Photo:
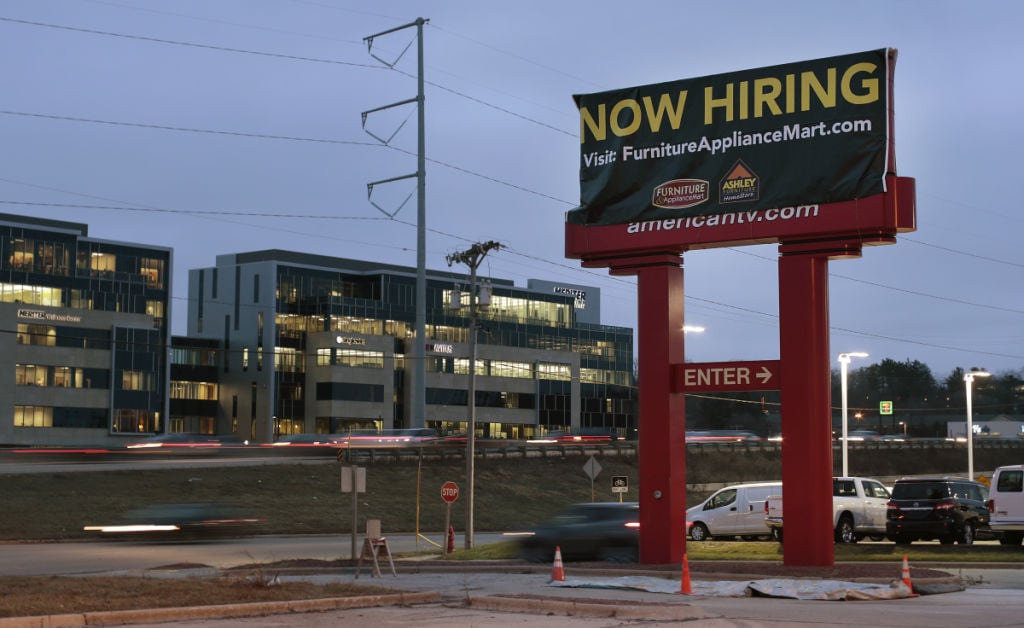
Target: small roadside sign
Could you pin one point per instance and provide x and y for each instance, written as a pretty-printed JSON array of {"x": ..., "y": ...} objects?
[
  {"x": 620, "y": 484},
  {"x": 884, "y": 407}
]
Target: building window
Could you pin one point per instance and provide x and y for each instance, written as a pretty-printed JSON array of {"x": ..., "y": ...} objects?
[
  {"x": 33, "y": 416},
  {"x": 245, "y": 358},
  {"x": 137, "y": 380},
  {"x": 522, "y": 370},
  {"x": 554, "y": 371},
  {"x": 155, "y": 309},
  {"x": 359, "y": 359},
  {"x": 288, "y": 360},
  {"x": 29, "y": 375},
  {"x": 153, "y": 270},
  {"x": 462, "y": 366},
  {"x": 45, "y": 335},
  {"x": 204, "y": 391},
  {"x": 323, "y": 357},
  {"x": 102, "y": 264},
  {"x": 134, "y": 421}
]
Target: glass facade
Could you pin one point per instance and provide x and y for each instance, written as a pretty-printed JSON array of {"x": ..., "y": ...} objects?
[
  {"x": 70, "y": 299},
  {"x": 595, "y": 388}
]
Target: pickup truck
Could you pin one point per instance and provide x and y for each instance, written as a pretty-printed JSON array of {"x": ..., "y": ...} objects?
[{"x": 858, "y": 510}]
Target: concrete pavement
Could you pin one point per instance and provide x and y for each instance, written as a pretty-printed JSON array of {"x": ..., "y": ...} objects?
[{"x": 514, "y": 596}]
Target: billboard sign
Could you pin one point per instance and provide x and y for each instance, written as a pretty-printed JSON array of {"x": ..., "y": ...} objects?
[{"x": 797, "y": 135}]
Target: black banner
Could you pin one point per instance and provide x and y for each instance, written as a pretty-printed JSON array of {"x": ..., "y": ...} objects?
[{"x": 794, "y": 134}]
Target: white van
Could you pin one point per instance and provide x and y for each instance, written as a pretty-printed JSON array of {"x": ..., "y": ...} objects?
[
  {"x": 1006, "y": 504},
  {"x": 732, "y": 511}
]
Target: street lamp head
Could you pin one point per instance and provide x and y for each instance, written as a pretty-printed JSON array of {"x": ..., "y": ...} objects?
[
  {"x": 969, "y": 377},
  {"x": 845, "y": 357}
]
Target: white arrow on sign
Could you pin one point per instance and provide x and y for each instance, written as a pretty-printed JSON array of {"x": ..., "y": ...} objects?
[{"x": 764, "y": 375}]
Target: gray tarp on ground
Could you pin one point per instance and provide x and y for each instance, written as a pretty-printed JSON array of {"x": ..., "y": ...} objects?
[{"x": 771, "y": 587}]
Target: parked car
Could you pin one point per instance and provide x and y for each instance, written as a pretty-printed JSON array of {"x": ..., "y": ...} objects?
[
  {"x": 1006, "y": 504},
  {"x": 858, "y": 510},
  {"x": 945, "y": 508},
  {"x": 732, "y": 511},
  {"x": 608, "y": 531}
]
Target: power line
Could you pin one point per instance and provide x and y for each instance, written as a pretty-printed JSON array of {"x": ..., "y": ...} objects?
[
  {"x": 173, "y": 42},
  {"x": 163, "y": 127}
]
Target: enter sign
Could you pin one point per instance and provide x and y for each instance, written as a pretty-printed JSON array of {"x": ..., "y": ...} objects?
[{"x": 726, "y": 376}]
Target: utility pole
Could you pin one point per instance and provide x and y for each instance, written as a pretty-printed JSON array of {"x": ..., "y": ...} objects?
[
  {"x": 419, "y": 397},
  {"x": 472, "y": 258}
]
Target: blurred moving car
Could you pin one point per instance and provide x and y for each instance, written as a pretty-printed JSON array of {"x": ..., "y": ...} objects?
[
  {"x": 948, "y": 509},
  {"x": 862, "y": 435},
  {"x": 608, "y": 531},
  {"x": 308, "y": 440},
  {"x": 721, "y": 436},
  {"x": 181, "y": 521},
  {"x": 185, "y": 440},
  {"x": 413, "y": 436},
  {"x": 583, "y": 436}
]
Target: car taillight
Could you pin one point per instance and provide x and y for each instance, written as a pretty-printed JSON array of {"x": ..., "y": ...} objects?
[
  {"x": 892, "y": 510},
  {"x": 991, "y": 505},
  {"x": 946, "y": 505}
]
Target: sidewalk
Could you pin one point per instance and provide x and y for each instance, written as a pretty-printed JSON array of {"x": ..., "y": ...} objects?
[{"x": 440, "y": 588}]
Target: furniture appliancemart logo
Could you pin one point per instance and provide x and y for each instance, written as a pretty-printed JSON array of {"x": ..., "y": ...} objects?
[
  {"x": 740, "y": 185},
  {"x": 681, "y": 193}
]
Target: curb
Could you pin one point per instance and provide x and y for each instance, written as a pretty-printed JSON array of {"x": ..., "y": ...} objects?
[
  {"x": 222, "y": 611},
  {"x": 619, "y": 609}
]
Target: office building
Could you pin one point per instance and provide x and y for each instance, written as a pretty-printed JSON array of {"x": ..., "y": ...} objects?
[
  {"x": 313, "y": 343},
  {"x": 85, "y": 335}
]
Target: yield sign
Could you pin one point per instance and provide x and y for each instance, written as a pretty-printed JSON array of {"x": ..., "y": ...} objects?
[{"x": 726, "y": 376}]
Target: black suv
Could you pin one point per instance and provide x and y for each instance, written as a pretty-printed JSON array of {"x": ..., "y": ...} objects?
[
  {"x": 608, "y": 531},
  {"x": 948, "y": 509}
]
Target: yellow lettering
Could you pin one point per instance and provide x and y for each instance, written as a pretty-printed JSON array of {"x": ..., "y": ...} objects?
[
  {"x": 826, "y": 95},
  {"x": 597, "y": 127},
  {"x": 744, "y": 95},
  {"x": 665, "y": 105},
  {"x": 711, "y": 103},
  {"x": 790, "y": 93},
  {"x": 870, "y": 86},
  {"x": 617, "y": 109},
  {"x": 766, "y": 92}
]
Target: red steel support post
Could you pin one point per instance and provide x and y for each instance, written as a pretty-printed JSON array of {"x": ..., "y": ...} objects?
[
  {"x": 806, "y": 397},
  {"x": 662, "y": 414}
]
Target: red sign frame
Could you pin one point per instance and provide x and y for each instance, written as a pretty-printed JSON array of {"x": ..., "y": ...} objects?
[{"x": 872, "y": 220}]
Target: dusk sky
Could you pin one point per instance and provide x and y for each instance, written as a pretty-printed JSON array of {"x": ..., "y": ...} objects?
[{"x": 224, "y": 126}]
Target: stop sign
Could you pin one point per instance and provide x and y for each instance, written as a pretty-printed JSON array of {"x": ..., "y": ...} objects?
[{"x": 449, "y": 491}]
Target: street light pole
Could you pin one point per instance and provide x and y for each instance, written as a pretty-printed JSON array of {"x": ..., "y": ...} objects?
[
  {"x": 844, "y": 363},
  {"x": 968, "y": 383},
  {"x": 472, "y": 258}
]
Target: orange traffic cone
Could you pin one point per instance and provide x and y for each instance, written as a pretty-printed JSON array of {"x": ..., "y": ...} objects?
[
  {"x": 905, "y": 576},
  {"x": 685, "y": 584},
  {"x": 558, "y": 573}
]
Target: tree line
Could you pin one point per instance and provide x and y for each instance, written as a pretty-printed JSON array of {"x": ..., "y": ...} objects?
[{"x": 921, "y": 404}]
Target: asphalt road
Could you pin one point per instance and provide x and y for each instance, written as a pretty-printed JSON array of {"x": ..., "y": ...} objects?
[{"x": 42, "y": 559}]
